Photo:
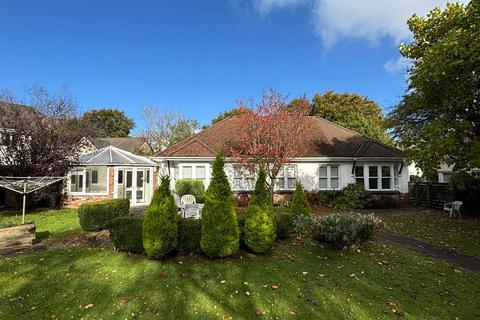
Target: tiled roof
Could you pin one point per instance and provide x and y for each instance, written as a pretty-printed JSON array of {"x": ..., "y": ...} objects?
[
  {"x": 323, "y": 139},
  {"x": 130, "y": 144}
]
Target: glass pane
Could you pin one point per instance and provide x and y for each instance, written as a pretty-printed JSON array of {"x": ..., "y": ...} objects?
[
  {"x": 148, "y": 176},
  {"x": 334, "y": 183},
  {"x": 290, "y": 171},
  {"x": 373, "y": 171},
  {"x": 358, "y": 171},
  {"x": 279, "y": 184},
  {"x": 73, "y": 183},
  {"x": 200, "y": 173},
  {"x": 140, "y": 179},
  {"x": 385, "y": 171},
  {"x": 94, "y": 176},
  {"x": 360, "y": 180},
  {"x": 386, "y": 183},
  {"x": 323, "y": 183},
  {"x": 373, "y": 183},
  {"x": 87, "y": 179},
  {"x": 128, "y": 194},
  {"x": 334, "y": 171},
  {"x": 323, "y": 171},
  {"x": 120, "y": 176},
  {"x": 80, "y": 182},
  {"x": 129, "y": 180},
  {"x": 187, "y": 172},
  {"x": 139, "y": 194},
  {"x": 291, "y": 183}
]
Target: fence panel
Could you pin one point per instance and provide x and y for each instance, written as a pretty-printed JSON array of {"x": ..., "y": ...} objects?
[{"x": 428, "y": 194}]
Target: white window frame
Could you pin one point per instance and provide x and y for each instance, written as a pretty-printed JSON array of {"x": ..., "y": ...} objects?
[
  {"x": 329, "y": 176},
  {"x": 242, "y": 177},
  {"x": 394, "y": 177},
  {"x": 282, "y": 174},
  {"x": 83, "y": 172}
]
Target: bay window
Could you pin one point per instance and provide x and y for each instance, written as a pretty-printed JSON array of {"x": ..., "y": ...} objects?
[
  {"x": 377, "y": 176},
  {"x": 372, "y": 177}
]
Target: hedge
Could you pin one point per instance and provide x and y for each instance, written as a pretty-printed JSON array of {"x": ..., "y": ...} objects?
[
  {"x": 190, "y": 186},
  {"x": 189, "y": 234},
  {"x": 97, "y": 215},
  {"x": 126, "y": 233}
]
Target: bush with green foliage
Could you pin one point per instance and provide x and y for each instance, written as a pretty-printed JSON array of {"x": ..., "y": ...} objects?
[
  {"x": 466, "y": 188},
  {"x": 354, "y": 196},
  {"x": 284, "y": 224},
  {"x": 162, "y": 191},
  {"x": 189, "y": 234},
  {"x": 160, "y": 228},
  {"x": 259, "y": 229},
  {"x": 299, "y": 205},
  {"x": 260, "y": 196},
  {"x": 97, "y": 215},
  {"x": 323, "y": 198},
  {"x": 339, "y": 231},
  {"x": 126, "y": 233},
  {"x": 189, "y": 186},
  {"x": 220, "y": 234}
]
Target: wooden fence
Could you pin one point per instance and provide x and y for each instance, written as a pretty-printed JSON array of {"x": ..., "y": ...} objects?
[{"x": 429, "y": 194}]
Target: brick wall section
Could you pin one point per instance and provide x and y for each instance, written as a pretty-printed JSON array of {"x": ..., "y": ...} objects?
[
  {"x": 111, "y": 180},
  {"x": 155, "y": 179}
]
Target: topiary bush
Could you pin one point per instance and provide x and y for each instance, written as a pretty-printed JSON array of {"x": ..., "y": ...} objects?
[
  {"x": 339, "y": 231},
  {"x": 260, "y": 196},
  {"x": 259, "y": 228},
  {"x": 160, "y": 228},
  {"x": 189, "y": 234},
  {"x": 299, "y": 204},
  {"x": 354, "y": 196},
  {"x": 97, "y": 215},
  {"x": 162, "y": 191},
  {"x": 220, "y": 234},
  {"x": 126, "y": 233},
  {"x": 284, "y": 224},
  {"x": 189, "y": 186}
]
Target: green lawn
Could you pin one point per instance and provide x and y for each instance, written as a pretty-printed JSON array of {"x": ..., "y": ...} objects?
[
  {"x": 431, "y": 226},
  {"x": 296, "y": 281},
  {"x": 51, "y": 224}
]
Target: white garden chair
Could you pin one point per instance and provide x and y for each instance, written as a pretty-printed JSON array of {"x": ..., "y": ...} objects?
[
  {"x": 453, "y": 208},
  {"x": 188, "y": 199},
  {"x": 192, "y": 211}
]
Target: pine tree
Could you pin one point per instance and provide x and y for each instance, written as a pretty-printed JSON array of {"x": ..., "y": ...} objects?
[
  {"x": 220, "y": 234},
  {"x": 299, "y": 205},
  {"x": 160, "y": 227},
  {"x": 260, "y": 196},
  {"x": 162, "y": 191}
]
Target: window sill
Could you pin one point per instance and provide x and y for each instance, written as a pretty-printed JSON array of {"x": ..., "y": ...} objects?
[{"x": 383, "y": 191}]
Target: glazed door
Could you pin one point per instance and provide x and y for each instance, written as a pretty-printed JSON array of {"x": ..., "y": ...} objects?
[
  {"x": 128, "y": 184},
  {"x": 140, "y": 186}
]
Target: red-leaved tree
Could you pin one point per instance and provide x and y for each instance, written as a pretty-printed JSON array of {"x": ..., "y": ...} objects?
[{"x": 269, "y": 134}]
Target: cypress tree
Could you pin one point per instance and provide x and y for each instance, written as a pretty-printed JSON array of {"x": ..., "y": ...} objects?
[
  {"x": 220, "y": 234},
  {"x": 260, "y": 196},
  {"x": 299, "y": 205},
  {"x": 162, "y": 191}
]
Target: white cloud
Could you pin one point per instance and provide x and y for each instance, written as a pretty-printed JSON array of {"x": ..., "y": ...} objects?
[
  {"x": 370, "y": 20},
  {"x": 396, "y": 65}
]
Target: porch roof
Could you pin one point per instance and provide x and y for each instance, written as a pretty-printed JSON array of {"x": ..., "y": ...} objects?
[{"x": 111, "y": 155}]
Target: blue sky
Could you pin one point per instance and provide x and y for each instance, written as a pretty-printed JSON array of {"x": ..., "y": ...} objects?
[{"x": 198, "y": 57}]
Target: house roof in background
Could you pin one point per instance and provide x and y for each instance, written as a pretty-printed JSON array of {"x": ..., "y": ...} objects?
[
  {"x": 323, "y": 138},
  {"x": 130, "y": 144},
  {"x": 111, "y": 155}
]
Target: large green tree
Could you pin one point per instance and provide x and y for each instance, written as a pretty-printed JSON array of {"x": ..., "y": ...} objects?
[
  {"x": 111, "y": 123},
  {"x": 438, "y": 119},
  {"x": 352, "y": 111}
]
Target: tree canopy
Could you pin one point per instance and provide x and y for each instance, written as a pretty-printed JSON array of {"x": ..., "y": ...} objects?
[
  {"x": 110, "y": 123},
  {"x": 438, "y": 119},
  {"x": 226, "y": 114},
  {"x": 352, "y": 111}
]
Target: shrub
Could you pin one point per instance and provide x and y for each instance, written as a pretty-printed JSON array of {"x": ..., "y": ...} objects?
[
  {"x": 96, "y": 216},
  {"x": 354, "y": 196},
  {"x": 162, "y": 191},
  {"x": 126, "y": 233},
  {"x": 323, "y": 198},
  {"x": 189, "y": 186},
  {"x": 220, "y": 234},
  {"x": 259, "y": 228},
  {"x": 260, "y": 196},
  {"x": 466, "y": 188},
  {"x": 189, "y": 233},
  {"x": 299, "y": 205},
  {"x": 160, "y": 228},
  {"x": 339, "y": 231},
  {"x": 284, "y": 224}
]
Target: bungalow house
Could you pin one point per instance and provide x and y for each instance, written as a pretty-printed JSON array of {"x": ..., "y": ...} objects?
[{"x": 335, "y": 157}]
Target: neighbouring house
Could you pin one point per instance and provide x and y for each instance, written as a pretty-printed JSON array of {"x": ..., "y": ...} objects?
[
  {"x": 335, "y": 157},
  {"x": 445, "y": 173},
  {"x": 136, "y": 145},
  {"x": 111, "y": 172}
]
